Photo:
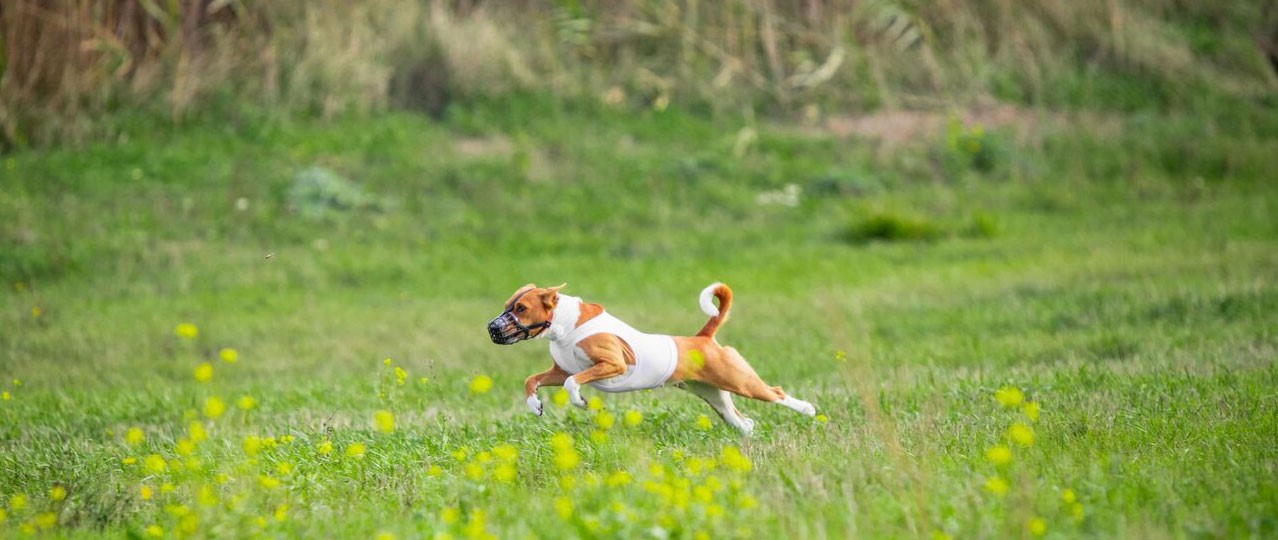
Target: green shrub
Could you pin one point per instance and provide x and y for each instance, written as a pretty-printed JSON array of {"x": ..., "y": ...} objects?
[{"x": 884, "y": 227}]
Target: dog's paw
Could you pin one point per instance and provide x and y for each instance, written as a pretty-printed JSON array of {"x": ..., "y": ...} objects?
[
  {"x": 534, "y": 404},
  {"x": 745, "y": 425},
  {"x": 574, "y": 392},
  {"x": 799, "y": 406}
]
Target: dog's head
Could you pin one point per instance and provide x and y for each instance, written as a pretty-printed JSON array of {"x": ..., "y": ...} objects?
[{"x": 527, "y": 315}]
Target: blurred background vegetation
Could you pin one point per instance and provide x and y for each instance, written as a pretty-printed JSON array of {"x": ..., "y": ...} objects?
[{"x": 79, "y": 70}]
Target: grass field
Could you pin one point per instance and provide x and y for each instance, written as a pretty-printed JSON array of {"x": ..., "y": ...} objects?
[{"x": 1115, "y": 279}]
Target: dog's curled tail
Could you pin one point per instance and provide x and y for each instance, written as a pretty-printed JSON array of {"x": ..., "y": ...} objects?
[{"x": 718, "y": 315}]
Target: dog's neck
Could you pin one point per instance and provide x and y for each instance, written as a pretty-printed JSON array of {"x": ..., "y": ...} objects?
[{"x": 564, "y": 318}]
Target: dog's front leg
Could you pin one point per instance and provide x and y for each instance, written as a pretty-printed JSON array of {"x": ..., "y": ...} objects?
[
  {"x": 551, "y": 377},
  {"x": 607, "y": 353}
]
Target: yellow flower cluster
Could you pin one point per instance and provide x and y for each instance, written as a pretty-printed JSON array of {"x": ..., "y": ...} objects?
[{"x": 1018, "y": 437}]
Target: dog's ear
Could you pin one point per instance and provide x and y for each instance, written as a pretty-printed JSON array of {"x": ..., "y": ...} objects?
[
  {"x": 520, "y": 291},
  {"x": 550, "y": 296}
]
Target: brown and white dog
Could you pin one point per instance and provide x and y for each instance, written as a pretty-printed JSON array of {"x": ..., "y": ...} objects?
[{"x": 589, "y": 346}]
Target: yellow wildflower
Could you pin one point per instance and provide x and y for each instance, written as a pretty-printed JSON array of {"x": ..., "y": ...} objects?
[
  {"x": 386, "y": 362},
  {"x": 506, "y": 453},
  {"x": 185, "y": 447},
  {"x": 285, "y": 439},
  {"x": 46, "y": 520},
  {"x": 186, "y": 330},
  {"x": 167, "y": 487},
  {"x": 213, "y": 407},
  {"x": 567, "y": 459},
  {"x": 595, "y": 403},
  {"x": 284, "y": 468},
  {"x": 461, "y": 454},
  {"x": 997, "y": 486},
  {"x": 129, "y": 460},
  {"x": 632, "y": 418},
  {"x": 560, "y": 398},
  {"x": 281, "y": 512},
  {"x": 4, "y": 396},
  {"x": 252, "y": 445},
  {"x": 146, "y": 492},
  {"x": 384, "y": 536},
  {"x": 228, "y": 355},
  {"x": 1037, "y": 526},
  {"x": 197, "y": 432},
  {"x": 57, "y": 493},
  {"x": 1021, "y": 434},
  {"x": 747, "y": 502},
  {"x": 619, "y": 478},
  {"x": 434, "y": 470},
  {"x": 423, "y": 380},
  {"x": 267, "y": 481},
  {"x": 384, "y": 421},
  {"x": 17, "y": 502},
  {"x": 999, "y": 455},
  {"x": 696, "y": 360},
  {"x": 481, "y": 384},
  {"x": 325, "y": 447},
  {"x": 204, "y": 372},
  {"x": 401, "y": 376},
  {"x": 134, "y": 436},
  {"x": 450, "y": 515},
  {"x": 735, "y": 460},
  {"x": 1009, "y": 396},
  {"x": 155, "y": 464},
  {"x": 1068, "y": 497},
  {"x": 703, "y": 422},
  {"x": 355, "y": 450},
  {"x": 246, "y": 402},
  {"x": 505, "y": 473},
  {"x": 563, "y": 506},
  {"x": 154, "y": 531},
  {"x": 561, "y": 441},
  {"x": 1031, "y": 411},
  {"x": 206, "y": 496},
  {"x": 822, "y": 418},
  {"x": 605, "y": 420},
  {"x": 567, "y": 482}
]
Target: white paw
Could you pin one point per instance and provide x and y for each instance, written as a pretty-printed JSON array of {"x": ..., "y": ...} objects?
[
  {"x": 534, "y": 404},
  {"x": 799, "y": 406},
  {"x": 807, "y": 409},
  {"x": 574, "y": 392},
  {"x": 745, "y": 425}
]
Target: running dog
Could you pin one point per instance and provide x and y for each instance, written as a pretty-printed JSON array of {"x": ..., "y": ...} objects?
[{"x": 590, "y": 346}]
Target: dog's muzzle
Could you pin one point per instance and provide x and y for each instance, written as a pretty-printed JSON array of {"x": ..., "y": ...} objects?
[{"x": 505, "y": 329}]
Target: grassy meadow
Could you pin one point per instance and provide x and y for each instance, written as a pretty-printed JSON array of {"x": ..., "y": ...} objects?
[{"x": 255, "y": 328}]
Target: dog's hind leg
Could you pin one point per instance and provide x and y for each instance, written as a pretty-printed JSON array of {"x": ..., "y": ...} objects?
[
  {"x": 721, "y": 401},
  {"x": 730, "y": 371}
]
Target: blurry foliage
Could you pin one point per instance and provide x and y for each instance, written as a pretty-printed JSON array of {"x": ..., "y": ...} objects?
[
  {"x": 100, "y": 59},
  {"x": 318, "y": 193}
]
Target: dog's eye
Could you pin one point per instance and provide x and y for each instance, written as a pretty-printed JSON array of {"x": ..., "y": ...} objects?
[{"x": 520, "y": 309}]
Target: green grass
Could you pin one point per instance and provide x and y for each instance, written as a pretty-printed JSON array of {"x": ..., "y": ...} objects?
[{"x": 1125, "y": 283}]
